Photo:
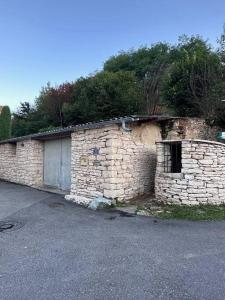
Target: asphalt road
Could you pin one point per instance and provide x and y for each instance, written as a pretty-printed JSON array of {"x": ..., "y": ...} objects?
[{"x": 58, "y": 250}]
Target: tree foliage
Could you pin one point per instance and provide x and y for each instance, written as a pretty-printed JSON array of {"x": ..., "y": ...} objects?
[
  {"x": 5, "y": 123},
  {"x": 139, "y": 61},
  {"x": 186, "y": 79},
  {"x": 222, "y": 45},
  {"x": 27, "y": 120},
  {"x": 103, "y": 96},
  {"x": 192, "y": 86},
  {"x": 150, "y": 66},
  {"x": 51, "y": 100}
]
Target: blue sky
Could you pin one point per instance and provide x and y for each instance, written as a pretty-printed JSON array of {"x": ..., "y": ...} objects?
[{"x": 61, "y": 40}]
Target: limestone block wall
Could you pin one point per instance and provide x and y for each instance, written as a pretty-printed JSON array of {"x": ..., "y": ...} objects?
[
  {"x": 22, "y": 162},
  {"x": 190, "y": 128},
  {"x": 133, "y": 162},
  {"x": 202, "y": 177},
  {"x": 8, "y": 162},
  {"x": 112, "y": 163}
]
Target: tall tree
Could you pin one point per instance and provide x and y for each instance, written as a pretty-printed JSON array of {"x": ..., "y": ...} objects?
[
  {"x": 153, "y": 84},
  {"x": 191, "y": 87},
  {"x": 150, "y": 66},
  {"x": 24, "y": 110},
  {"x": 222, "y": 45},
  {"x": 187, "y": 78},
  {"x": 221, "y": 84},
  {"x": 139, "y": 61},
  {"x": 104, "y": 95},
  {"x": 27, "y": 120},
  {"x": 51, "y": 100},
  {"x": 5, "y": 123}
]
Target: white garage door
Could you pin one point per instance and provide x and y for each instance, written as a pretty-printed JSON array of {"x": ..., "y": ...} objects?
[{"x": 57, "y": 163}]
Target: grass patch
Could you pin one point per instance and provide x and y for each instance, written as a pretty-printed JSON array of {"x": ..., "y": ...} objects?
[
  {"x": 196, "y": 213},
  {"x": 121, "y": 204},
  {"x": 141, "y": 207}
]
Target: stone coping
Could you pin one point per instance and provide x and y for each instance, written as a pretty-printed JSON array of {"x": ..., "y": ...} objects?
[{"x": 191, "y": 140}]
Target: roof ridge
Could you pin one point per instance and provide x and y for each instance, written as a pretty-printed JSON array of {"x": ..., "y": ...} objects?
[{"x": 89, "y": 125}]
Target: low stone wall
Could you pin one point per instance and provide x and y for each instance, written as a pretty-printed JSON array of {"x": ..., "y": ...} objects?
[
  {"x": 22, "y": 162},
  {"x": 202, "y": 177},
  {"x": 112, "y": 163}
]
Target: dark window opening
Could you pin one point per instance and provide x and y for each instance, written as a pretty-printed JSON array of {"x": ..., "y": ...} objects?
[
  {"x": 13, "y": 149},
  {"x": 172, "y": 157}
]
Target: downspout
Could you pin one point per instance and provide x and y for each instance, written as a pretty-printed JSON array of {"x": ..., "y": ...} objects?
[{"x": 124, "y": 126}]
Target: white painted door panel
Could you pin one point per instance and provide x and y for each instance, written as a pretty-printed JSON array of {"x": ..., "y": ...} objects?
[
  {"x": 57, "y": 163},
  {"x": 66, "y": 164}
]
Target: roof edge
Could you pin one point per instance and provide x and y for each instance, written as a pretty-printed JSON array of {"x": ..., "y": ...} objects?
[{"x": 90, "y": 125}]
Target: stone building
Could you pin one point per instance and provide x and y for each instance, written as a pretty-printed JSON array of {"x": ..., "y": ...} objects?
[{"x": 115, "y": 158}]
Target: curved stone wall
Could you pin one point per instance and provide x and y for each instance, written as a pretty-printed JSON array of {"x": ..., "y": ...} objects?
[{"x": 202, "y": 177}]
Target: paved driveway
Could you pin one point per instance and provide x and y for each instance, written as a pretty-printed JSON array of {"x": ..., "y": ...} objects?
[{"x": 58, "y": 250}]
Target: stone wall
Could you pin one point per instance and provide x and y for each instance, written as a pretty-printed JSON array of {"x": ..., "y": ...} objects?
[
  {"x": 189, "y": 128},
  {"x": 202, "y": 177},
  {"x": 112, "y": 163},
  {"x": 22, "y": 162},
  {"x": 106, "y": 161}
]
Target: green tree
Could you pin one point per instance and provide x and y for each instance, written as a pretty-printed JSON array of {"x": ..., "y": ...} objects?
[
  {"x": 46, "y": 113},
  {"x": 50, "y": 102},
  {"x": 187, "y": 79},
  {"x": 104, "y": 95},
  {"x": 222, "y": 45},
  {"x": 27, "y": 120},
  {"x": 191, "y": 86},
  {"x": 5, "y": 123},
  {"x": 139, "y": 61},
  {"x": 221, "y": 84},
  {"x": 150, "y": 66}
]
